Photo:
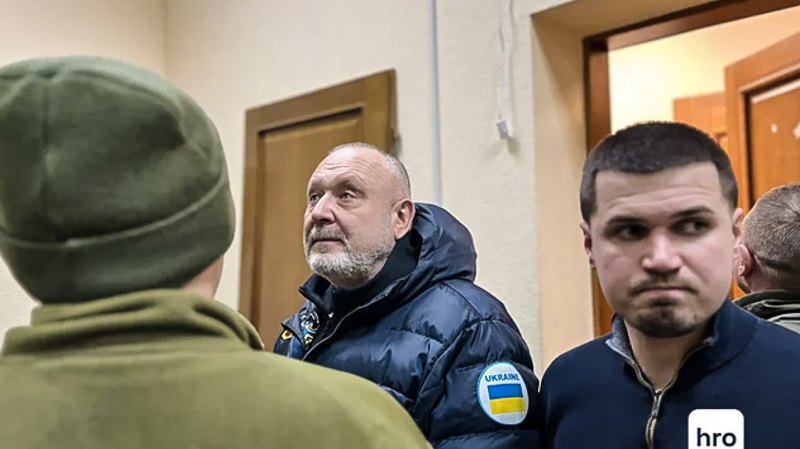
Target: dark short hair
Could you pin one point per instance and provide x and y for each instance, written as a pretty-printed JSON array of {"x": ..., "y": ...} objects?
[{"x": 650, "y": 148}]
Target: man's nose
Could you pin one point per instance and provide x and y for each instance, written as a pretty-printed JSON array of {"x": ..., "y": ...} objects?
[
  {"x": 322, "y": 210},
  {"x": 662, "y": 255}
]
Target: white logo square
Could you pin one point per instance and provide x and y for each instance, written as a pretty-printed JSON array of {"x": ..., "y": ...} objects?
[{"x": 716, "y": 428}]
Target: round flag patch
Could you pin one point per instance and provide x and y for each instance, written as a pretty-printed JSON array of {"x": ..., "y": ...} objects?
[{"x": 502, "y": 393}]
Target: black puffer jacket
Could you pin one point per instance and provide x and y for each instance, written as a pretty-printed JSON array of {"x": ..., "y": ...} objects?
[{"x": 446, "y": 349}]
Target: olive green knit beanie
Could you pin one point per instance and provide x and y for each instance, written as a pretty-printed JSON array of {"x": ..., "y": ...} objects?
[{"x": 111, "y": 180}]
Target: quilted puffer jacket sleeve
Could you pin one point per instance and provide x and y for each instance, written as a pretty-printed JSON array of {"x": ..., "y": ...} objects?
[{"x": 481, "y": 392}]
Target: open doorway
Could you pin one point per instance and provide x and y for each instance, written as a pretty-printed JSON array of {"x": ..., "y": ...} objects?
[{"x": 730, "y": 68}]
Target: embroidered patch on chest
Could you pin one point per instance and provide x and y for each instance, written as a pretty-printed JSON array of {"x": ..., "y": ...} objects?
[
  {"x": 502, "y": 393},
  {"x": 309, "y": 323}
]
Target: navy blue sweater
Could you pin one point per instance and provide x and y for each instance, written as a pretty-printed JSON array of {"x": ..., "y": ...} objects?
[
  {"x": 593, "y": 397},
  {"x": 446, "y": 349}
]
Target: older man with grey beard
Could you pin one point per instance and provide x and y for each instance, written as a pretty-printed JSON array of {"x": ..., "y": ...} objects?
[{"x": 393, "y": 299}]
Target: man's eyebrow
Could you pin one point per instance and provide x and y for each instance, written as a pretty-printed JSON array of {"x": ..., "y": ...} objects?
[
  {"x": 352, "y": 182},
  {"x": 312, "y": 184},
  {"x": 344, "y": 181},
  {"x": 624, "y": 219},
  {"x": 632, "y": 219},
  {"x": 699, "y": 210}
]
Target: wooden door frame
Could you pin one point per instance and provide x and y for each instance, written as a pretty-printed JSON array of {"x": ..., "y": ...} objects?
[
  {"x": 597, "y": 87},
  {"x": 369, "y": 96},
  {"x": 758, "y": 77}
]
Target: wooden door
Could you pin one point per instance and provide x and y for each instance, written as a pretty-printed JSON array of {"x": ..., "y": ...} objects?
[
  {"x": 704, "y": 112},
  {"x": 285, "y": 143},
  {"x": 774, "y": 130},
  {"x": 763, "y": 98}
]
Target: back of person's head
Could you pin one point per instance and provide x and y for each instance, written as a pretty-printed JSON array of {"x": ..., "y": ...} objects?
[
  {"x": 112, "y": 180},
  {"x": 771, "y": 232},
  {"x": 651, "y": 148}
]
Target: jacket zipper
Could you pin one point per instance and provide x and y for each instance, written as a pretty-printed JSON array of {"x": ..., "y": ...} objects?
[
  {"x": 338, "y": 325},
  {"x": 658, "y": 395}
]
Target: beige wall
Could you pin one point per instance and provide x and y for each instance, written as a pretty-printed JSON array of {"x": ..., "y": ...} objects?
[
  {"x": 686, "y": 65},
  {"x": 130, "y": 30}
]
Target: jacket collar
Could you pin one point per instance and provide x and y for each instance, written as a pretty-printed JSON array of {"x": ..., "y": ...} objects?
[
  {"x": 401, "y": 262},
  {"x": 129, "y": 320},
  {"x": 779, "y": 306},
  {"x": 782, "y": 297}
]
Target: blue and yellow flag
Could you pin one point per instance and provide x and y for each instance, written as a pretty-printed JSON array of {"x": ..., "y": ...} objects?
[{"x": 506, "y": 398}]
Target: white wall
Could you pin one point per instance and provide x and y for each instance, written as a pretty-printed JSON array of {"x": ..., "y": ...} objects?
[
  {"x": 687, "y": 64},
  {"x": 130, "y": 30}
]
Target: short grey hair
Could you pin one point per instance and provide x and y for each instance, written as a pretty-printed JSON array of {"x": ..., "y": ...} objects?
[
  {"x": 395, "y": 166},
  {"x": 771, "y": 232}
]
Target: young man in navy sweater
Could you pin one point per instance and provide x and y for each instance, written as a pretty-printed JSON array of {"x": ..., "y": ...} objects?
[{"x": 683, "y": 366}]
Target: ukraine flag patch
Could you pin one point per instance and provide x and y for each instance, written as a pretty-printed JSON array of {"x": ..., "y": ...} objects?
[
  {"x": 506, "y": 398},
  {"x": 502, "y": 393}
]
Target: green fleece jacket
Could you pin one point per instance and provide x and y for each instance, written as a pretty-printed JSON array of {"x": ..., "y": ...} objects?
[
  {"x": 779, "y": 306},
  {"x": 167, "y": 369}
]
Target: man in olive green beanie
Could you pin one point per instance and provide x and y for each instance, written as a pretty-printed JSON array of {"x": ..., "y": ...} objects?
[{"x": 115, "y": 210}]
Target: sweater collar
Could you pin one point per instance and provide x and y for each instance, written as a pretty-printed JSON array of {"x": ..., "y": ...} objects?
[
  {"x": 731, "y": 330},
  {"x": 135, "y": 318}
]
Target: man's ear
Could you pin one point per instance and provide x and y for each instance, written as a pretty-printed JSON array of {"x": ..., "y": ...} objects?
[
  {"x": 403, "y": 217},
  {"x": 743, "y": 265},
  {"x": 742, "y": 260},
  {"x": 736, "y": 219},
  {"x": 587, "y": 241}
]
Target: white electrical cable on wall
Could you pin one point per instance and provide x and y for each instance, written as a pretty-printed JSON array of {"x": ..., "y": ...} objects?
[
  {"x": 503, "y": 120},
  {"x": 435, "y": 120}
]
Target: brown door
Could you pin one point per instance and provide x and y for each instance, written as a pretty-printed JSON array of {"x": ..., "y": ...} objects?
[
  {"x": 763, "y": 98},
  {"x": 704, "y": 112},
  {"x": 285, "y": 142}
]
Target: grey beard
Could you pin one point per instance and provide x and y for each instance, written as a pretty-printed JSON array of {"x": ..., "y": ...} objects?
[{"x": 350, "y": 269}]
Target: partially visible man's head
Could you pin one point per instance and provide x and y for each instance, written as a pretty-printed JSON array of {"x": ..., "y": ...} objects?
[
  {"x": 660, "y": 224},
  {"x": 768, "y": 256},
  {"x": 112, "y": 180},
  {"x": 358, "y": 205}
]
